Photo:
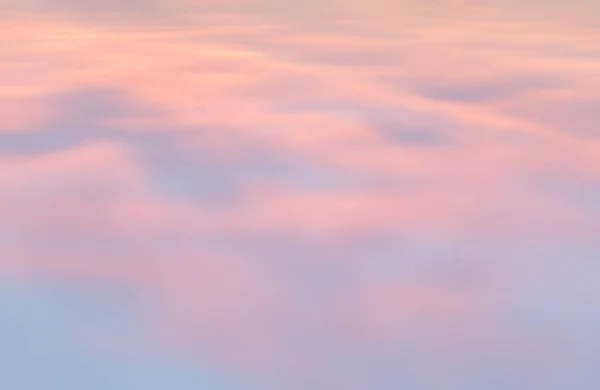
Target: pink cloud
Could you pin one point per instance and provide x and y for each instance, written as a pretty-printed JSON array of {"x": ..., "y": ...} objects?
[
  {"x": 318, "y": 99},
  {"x": 95, "y": 185}
]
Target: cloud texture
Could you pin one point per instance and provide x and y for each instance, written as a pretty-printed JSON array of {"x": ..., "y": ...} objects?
[{"x": 333, "y": 194}]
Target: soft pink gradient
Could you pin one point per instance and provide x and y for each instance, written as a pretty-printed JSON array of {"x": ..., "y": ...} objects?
[{"x": 445, "y": 133}]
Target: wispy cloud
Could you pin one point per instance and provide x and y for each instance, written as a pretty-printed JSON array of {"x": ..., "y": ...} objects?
[{"x": 319, "y": 195}]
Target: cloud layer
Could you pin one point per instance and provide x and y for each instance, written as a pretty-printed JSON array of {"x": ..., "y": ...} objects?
[{"x": 325, "y": 195}]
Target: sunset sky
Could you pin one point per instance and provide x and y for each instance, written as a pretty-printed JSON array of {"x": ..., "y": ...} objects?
[{"x": 299, "y": 195}]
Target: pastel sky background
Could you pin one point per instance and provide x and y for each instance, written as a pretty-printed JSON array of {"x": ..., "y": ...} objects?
[{"x": 291, "y": 195}]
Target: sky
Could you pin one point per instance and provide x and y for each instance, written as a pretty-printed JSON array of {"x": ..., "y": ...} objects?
[{"x": 287, "y": 195}]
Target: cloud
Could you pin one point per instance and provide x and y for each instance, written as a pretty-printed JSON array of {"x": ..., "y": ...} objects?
[
  {"x": 333, "y": 203},
  {"x": 92, "y": 186},
  {"x": 65, "y": 336}
]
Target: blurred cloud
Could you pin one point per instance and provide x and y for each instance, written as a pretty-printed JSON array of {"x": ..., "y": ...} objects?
[
  {"x": 64, "y": 335},
  {"x": 331, "y": 194}
]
